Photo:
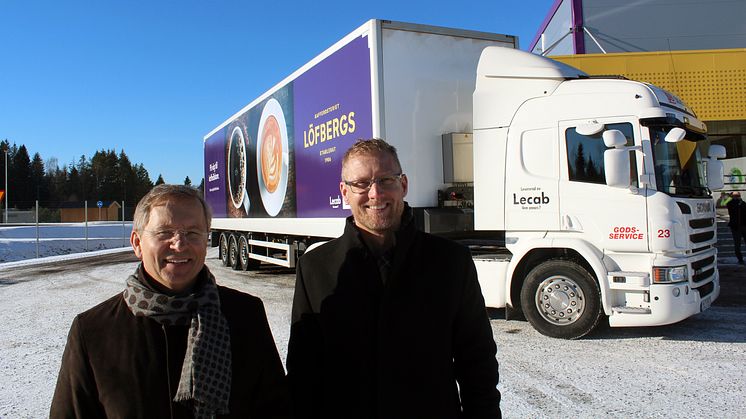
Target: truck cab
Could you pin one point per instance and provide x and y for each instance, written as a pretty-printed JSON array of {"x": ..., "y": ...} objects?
[{"x": 602, "y": 188}]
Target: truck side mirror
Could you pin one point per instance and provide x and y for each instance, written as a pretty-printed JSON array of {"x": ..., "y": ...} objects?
[
  {"x": 675, "y": 135},
  {"x": 715, "y": 171},
  {"x": 616, "y": 159},
  {"x": 614, "y": 138},
  {"x": 616, "y": 167}
]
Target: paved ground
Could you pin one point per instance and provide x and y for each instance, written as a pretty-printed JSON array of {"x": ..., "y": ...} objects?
[{"x": 732, "y": 286}]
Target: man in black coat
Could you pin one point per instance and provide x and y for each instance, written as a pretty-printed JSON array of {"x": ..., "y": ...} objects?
[
  {"x": 173, "y": 343},
  {"x": 737, "y": 214},
  {"x": 388, "y": 321}
]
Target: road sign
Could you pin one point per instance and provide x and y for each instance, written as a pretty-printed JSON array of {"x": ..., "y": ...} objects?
[{"x": 100, "y": 204}]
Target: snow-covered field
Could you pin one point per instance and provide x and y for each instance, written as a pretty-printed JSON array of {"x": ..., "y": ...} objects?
[
  {"x": 20, "y": 242},
  {"x": 691, "y": 369}
]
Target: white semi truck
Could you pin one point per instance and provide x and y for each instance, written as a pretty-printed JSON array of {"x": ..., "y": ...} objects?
[{"x": 580, "y": 197}]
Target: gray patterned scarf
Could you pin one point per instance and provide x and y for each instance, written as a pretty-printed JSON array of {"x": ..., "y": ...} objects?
[{"x": 206, "y": 372}]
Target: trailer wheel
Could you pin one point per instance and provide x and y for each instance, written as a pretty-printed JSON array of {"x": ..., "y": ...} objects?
[
  {"x": 233, "y": 252},
  {"x": 246, "y": 263},
  {"x": 223, "y": 249},
  {"x": 561, "y": 299}
]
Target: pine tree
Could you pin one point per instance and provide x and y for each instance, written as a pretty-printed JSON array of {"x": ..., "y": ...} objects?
[
  {"x": 73, "y": 186},
  {"x": 39, "y": 187},
  {"x": 103, "y": 167},
  {"x": 160, "y": 180},
  {"x": 580, "y": 164},
  {"x": 86, "y": 188},
  {"x": 126, "y": 177},
  {"x": 143, "y": 183},
  {"x": 57, "y": 180},
  {"x": 187, "y": 181},
  {"x": 21, "y": 179},
  {"x": 593, "y": 173}
]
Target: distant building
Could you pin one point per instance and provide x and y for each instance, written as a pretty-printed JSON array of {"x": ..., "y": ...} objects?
[
  {"x": 16, "y": 216},
  {"x": 73, "y": 212}
]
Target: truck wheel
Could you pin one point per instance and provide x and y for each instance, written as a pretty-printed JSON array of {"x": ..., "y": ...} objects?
[
  {"x": 246, "y": 263},
  {"x": 233, "y": 252},
  {"x": 561, "y": 299},
  {"x": 243, "y": 253},
  {"x": 223, "y": 249}
]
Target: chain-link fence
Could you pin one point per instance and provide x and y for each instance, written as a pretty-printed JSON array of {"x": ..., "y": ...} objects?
[{"x": 40, "y": 229}]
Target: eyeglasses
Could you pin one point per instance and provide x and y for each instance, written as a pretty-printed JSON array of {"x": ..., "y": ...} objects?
[
  {"x": 363, "y": 186},
  {"x": 191, "y": 236}
]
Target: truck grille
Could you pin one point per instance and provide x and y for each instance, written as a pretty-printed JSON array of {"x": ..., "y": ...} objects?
[
  {"x": 702, "y": 237},
  {"x": 702, "y": 263},
  {"x": 702, "y": 233},
  {"x": 701, "y": 276},
  {"x": 705, "y": 289},
  {"x": 703, "y": 270},
  {"x": 702, "y": 223}
]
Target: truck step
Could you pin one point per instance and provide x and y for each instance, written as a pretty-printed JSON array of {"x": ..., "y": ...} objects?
[{"x": 630, "y": 310}]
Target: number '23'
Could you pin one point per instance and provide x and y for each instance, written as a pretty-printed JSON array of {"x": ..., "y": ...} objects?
[{"x": 664, "y": 234}]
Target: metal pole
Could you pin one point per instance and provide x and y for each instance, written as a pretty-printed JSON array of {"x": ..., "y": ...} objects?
[
  {"x": 6, "y": 185},
  {"x": 37, "y": 229},
  {"x": 123, "y": 228},
  {"x": 86, "y": 226}
]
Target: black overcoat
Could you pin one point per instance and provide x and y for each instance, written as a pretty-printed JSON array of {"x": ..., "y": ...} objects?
[{"x": 417, "y": 345}]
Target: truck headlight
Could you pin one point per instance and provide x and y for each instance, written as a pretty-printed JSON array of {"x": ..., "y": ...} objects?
[{"x": 670, "y": 274}]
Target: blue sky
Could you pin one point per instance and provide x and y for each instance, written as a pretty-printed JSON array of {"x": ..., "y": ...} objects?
[{"x": 153, "y": 77}]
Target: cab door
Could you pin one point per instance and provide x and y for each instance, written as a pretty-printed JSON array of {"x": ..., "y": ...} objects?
[
  {"x": 613, "y": 219},
  {"x": 531, "y": 173}
]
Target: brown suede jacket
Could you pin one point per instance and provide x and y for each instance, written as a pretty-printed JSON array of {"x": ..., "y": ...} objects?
[{"x": 119, "y": 365}]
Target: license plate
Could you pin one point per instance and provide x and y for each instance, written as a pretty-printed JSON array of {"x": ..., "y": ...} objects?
[{"x": 705, "y": 304}]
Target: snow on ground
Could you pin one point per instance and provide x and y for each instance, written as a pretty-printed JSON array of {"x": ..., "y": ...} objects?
[
  {"x": 20, "y": 242},
  {"x": 691, "y": 369}
]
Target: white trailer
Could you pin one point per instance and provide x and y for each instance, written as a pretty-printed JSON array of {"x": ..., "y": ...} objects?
[{"x": 580, "y": 197}]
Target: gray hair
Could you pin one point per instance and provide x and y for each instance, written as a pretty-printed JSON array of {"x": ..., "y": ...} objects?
[{"x": 162, "y": 193}]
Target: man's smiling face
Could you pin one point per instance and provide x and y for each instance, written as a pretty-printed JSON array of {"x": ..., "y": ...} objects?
[
  {"x": 377, "y": 211},
  {"x": 173, "y": 263}
]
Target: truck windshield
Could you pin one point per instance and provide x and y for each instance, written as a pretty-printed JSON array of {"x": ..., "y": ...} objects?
[{"x": 678, "y": 166}]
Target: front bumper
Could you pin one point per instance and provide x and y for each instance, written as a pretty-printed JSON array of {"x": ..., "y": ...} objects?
[{"x": 671, "y": 303}]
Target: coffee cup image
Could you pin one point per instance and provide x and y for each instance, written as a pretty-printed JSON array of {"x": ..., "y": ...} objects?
[
  {"x": 271, "y": 154},
  {"x": 237, "y": 167},
  {"x": 272, "y": 157}
]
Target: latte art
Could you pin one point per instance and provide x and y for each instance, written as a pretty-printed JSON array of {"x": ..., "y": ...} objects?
[{"x": 271, "y": 154}]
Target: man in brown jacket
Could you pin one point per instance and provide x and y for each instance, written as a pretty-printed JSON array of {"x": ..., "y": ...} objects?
[{"x": 173, "y": 343}]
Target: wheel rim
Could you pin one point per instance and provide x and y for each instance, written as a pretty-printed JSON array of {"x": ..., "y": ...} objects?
[
  {"x": 223, "y": 248},
  {"x": 560, "y": 300},
  {"x": 232, "y": 250},
  {"x": 243, "y": 253}
]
